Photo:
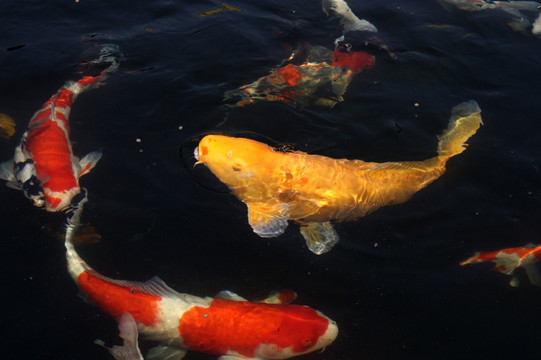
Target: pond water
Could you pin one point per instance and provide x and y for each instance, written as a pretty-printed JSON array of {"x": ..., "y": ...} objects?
[{"x": 393, "y": 283}]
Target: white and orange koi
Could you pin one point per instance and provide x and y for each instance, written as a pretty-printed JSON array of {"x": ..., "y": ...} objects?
[
  {"x": 44, "y": 166},
  {"x": 226, "y": 325},
  {"x": 507, "y": 260},
  {"x": 312, "y": 190}
]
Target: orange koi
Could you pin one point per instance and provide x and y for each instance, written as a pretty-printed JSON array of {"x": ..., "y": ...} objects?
[
  {"x": 507, "y": 260},
  {"x": 44, "y": 166},
  {"x": 312, "y": 190},
  {"x": 226, "y": 325}
]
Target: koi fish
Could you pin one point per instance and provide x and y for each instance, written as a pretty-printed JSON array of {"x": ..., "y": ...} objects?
[
  {"x": 320, "y": 80},
  {"x": 226, "y": 325},
  {"x": 507, "y": 260},
  {"x": 349, "y": 21},
  {"x": 312, "y": 190},
  {"x": 128, "y": 332},
  {"x": 518, "y": 23},
  {"x": 44, "y": 166}
]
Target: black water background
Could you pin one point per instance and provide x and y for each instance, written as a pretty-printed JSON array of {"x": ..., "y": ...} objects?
[{"x": 405, "y": 298}]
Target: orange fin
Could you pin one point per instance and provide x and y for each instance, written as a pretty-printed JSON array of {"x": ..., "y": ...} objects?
[
  {"x": 280, "y": 297},
  {"x": 268, "y": 220},
  {"x": 320, "y": 236}
]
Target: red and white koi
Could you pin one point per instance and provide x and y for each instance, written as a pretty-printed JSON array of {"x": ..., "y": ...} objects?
[
  {"x": 44, "y": 166},
  {"x": 226, "y": 325},
  {"x": 507, "y": 260}
]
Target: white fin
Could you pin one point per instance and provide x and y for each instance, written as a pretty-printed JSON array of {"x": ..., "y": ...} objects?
[
  {"x": 229, "y": 295},
  {"x": 320, "y": 236},
  {"x": 88, "y": 162},
  {"x": 6, "y": 171},
  {"x": 128, "y": 332},
  {"x": 13, "y": 185},
  {"x": 162, "y": 352},
  {"x": 533, "y": 274},
  {"x": 268, "y": 220}
]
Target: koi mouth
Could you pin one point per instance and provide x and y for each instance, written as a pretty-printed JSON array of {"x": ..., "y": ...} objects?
[{"x": 196, "y": 153}]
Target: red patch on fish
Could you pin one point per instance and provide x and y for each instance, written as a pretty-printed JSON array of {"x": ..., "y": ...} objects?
[
  {"x": 117, "y": 299},
  {"x": 356, "y": 61},
  {"x": 242, "y": 326},
  {"x": 290, "y": 73}
]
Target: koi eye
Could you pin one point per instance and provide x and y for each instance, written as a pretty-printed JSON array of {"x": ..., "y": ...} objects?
[
  {"x": 133, "y": 290},
  {"x": 307, "y": 343}
]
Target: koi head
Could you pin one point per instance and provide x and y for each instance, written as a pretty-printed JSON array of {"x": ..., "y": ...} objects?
[
  {"x": 307, "y": 330},
  {"x": 237, "y": 162}
]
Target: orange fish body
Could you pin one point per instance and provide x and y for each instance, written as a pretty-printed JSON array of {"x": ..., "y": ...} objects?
[
  {"x": 313, "y": 190},
  {"x": 507, "y": 260},
  {"x": 226, "y": 325}
]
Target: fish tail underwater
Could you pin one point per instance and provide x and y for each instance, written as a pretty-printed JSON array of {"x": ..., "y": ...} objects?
[{"x": 308, "y": 144}]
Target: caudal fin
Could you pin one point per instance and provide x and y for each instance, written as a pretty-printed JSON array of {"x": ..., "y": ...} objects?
[{"x": 464, "y": 122}]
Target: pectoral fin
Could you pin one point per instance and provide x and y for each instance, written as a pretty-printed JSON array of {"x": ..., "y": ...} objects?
[
  {"x": 162, "y": 352},
  {"x": 128, "y": 332},
  {"x": 533, "y": 274},
  {"x": 320, "y": 236},
  {"x": 6, "y": 171},
  {"x": 268, "y": 220},
  {"x": 88, "y": 162}
]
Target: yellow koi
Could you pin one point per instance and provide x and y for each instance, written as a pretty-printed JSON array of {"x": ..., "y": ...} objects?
[{"x": 312, "y": 190}]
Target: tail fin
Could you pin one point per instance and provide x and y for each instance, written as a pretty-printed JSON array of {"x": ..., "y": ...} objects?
[{"x": 464, "y": 122}]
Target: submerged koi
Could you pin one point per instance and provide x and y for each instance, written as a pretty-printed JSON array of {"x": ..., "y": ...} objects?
[
  {"x": 44, "y": 166},
  {"x": 518, "y": 23},
  {"x": 312, "y": 190},
  {"x": 507, "y": 260},
  {"x": 320, "y": 80},
  {"x": 226, "y": 325}
]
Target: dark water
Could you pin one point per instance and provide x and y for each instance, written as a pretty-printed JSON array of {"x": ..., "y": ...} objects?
[{"x": 407, "y": 298}]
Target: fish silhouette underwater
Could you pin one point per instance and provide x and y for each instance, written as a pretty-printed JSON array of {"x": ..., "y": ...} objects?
[
  {"x": 508, "y": 260},
  {"x": 349, "y": 21},
  {"x": 312, "y": 76},
  {"x": 518, "y": 21},
  {"x": 226, "y": 325},
  {"x": 313, "y": 190},
  {"x": 44, "y": 166}
]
